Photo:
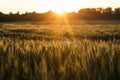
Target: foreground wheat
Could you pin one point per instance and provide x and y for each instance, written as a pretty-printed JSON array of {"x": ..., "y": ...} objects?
[{"x": 59, "y": 60}]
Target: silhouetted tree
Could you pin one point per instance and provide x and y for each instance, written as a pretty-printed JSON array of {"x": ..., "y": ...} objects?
[{"x": 86, "y": 13}]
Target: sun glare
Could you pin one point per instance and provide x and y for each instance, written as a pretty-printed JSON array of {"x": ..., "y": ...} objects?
[
  {"x": 57, "y": 6},
  {"x": 61, "y": 6},
  {"x": 60, "y": 13}
]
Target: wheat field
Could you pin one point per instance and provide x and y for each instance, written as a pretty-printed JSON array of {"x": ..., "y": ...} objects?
[{"x": 34, "y": 51}]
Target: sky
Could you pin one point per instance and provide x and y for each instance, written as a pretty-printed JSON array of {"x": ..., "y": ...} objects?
[{"x": 22, "y": 6}]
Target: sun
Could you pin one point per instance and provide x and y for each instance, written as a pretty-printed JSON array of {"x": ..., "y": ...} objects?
[
  {"x": 59, "y": 12},
  {"x": 58, "y": 7},
  {"x": 61, "y": 6}
]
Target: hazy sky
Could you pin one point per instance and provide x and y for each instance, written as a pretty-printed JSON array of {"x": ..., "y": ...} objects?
[{"x": 56, "y": 5}]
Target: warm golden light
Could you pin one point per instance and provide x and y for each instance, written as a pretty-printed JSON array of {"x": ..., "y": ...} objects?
[
  {"x": 60, "y": 14},
  {"x": 57, "y": 6},
  {"x": 61, "y": 6}
]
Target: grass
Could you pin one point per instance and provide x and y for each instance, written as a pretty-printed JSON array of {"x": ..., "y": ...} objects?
[{"x": 59, "y": 52}]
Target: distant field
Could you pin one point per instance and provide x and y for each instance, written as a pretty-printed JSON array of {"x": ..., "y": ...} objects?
[
  {"x": 60, "y": 31},
  {"x": 35, "y": 51}
]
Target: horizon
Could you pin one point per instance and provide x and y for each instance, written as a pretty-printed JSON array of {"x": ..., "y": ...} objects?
[
  {"x": 64, "y": 12},
  {"x": 57, "y": 6}
]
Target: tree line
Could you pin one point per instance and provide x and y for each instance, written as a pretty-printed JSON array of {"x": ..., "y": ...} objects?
[{"x": 85, "y": 13}]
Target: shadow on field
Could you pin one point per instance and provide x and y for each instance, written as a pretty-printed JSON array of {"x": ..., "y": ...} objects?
[
  {"x": 60, "y": 32},
  {"x": 27, "y": 34},
  {"x": 32, "y": 35}
]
